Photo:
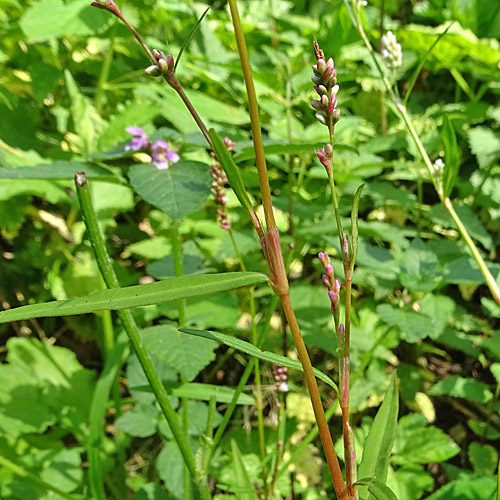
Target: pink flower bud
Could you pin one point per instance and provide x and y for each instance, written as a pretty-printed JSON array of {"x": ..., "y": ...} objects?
[
  {"x": 329, "y": 270},
  {"x": 326, "y": 281},
  {"x": 341, "y": 329}
]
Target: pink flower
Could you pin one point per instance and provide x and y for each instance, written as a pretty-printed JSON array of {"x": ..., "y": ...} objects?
[
  {"x": 161, "y": 155},
  {"x": 139, "y": 140}
]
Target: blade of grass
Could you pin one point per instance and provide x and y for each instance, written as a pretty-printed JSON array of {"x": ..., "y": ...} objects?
[
  {"x": 136, "y": 296},
  {"x": 252, "y": 350}
]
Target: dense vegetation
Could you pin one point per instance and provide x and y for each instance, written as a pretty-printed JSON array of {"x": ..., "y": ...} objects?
[{"x": 78, "y": 418}]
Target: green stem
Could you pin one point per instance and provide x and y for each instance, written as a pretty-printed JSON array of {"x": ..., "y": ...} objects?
[
  {"x": 349, "y": 450},
  {"x": 104, "y": 75},
  {"x": 490, "y": 281},
  {"x": 177, "y": 254},
  {"x": 254, "y": 118},
  {"x": 105, "y": 265},
  {"x": 335, "y": 206},
  {"x": 181, "y": 308},
  {"x": 19, "y": 471}
]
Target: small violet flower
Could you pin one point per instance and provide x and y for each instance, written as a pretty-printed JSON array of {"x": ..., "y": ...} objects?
[
  {"x": 161, "y": 155},
  {"x": 139, "y": 140}
]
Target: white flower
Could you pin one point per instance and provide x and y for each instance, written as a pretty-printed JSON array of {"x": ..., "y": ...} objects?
[{"x": 392, "y": 52}]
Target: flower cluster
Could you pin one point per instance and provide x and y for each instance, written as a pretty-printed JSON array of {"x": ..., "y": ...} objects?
[
  {"x": 391, "y": 51},
  {"x": 161, "y": 154},
  {"x": 331, "y": 283},
  {"x": 325, "y": 84},
  {"x": 280, "y": 377},
  {"x": 218, "y": 185}
]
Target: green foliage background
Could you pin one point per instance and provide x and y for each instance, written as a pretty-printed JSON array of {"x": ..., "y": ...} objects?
[{"x": 71, "y": 80}]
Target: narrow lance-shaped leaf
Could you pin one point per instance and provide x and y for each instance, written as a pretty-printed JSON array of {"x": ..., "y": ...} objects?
[
  {"x": 135, "y": 296},
  {"x": 354, "y": 224},
  {"x": 451, "y": 163},
  {"x": 245, "y": 491},
  {"x": 415, "y": 74},
  {"x": 232, "y": 171},
  {"x": 252, "y": 350},
  {"x": 378, "y": 444},
  {"x": 378, "y": 489},
  {"x": 190, "y": 37}
]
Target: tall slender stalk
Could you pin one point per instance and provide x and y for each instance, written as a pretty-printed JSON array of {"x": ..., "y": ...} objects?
[
  {"x": 272, "y": 250},
  {"x": 105, "y": 266},
  {"x": 490, "y": 280}
]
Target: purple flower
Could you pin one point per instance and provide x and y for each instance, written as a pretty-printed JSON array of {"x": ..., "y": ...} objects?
[
  {"x": 139, "y": 140},
  {"x": 161, "y": 155}
]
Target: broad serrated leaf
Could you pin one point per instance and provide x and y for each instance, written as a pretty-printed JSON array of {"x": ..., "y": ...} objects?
[
  {"x": 482, "y": 488},
  {"x": 483, "y": 457},
  {"x": 379, "y": 442},
  {"x": 135, "y": 296},
  {"x": 460, "y": 387},
  {"x": 414, "y": 326},
  {"x": 187, "y": 354},
  {"x": 178, "y": 191},
  {"x": 252, "y": 350}
]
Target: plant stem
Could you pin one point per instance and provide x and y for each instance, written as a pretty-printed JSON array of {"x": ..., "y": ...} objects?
[
  {"x": 104, "y": 74},
  {"x": 181, "y": 307},
  {"x": 105, "y": 265},
  {"x": 254, "y": 118},
  {"x": 324, "y": 432},
  {"x": 490, "y": 281},
  {"x": 349, "y": 450}
]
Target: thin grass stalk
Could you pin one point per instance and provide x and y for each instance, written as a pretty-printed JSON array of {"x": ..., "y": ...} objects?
[
  {"x": 105, "y": 266},
  {"x": 272, "y": 250},
  {"x": 490, "y": 280},
  {"x": 181, "y": 308}
]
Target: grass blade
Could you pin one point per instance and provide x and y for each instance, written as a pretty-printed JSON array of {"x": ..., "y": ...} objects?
[
  {"x": 252, "y": 350},
  {"x": 135, "y": 296}
]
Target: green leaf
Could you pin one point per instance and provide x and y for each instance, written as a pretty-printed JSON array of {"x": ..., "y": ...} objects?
[
  {"x": 354, "y": 224},
  {"x": 250, "y": 349},
  {"x": 231, "y": 170},
  {"x": 140, "y": 421},
  {"x": 418, "y": 444},
  {"x": 65, "y": 470},
  {"x": 57, "y": 170},
  {"x": 294, "y": 148},
  {"x": 377, "y": 488},
  {"x": 187, "y": 354},
  {"x": 460, "y": 387},
  {"x": 415, "y": 74},
  {"x": 379, "y": 442},
  {"x": 451, "y": 163},
  {"x": 190, "y": 37},
  {"x": 246, "y": 490},
  {"x": 482, "y": 488},
  {"x": 206, "y": 392},
  {"x": 483, "y": 457},
  {"x": 49, "y": 19},
  {"x": 485, "y": 144},
  {"x": 414, "y": 326},
  {"x": 178, "y": 191},
  {"x": 135, "y": 296}
]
